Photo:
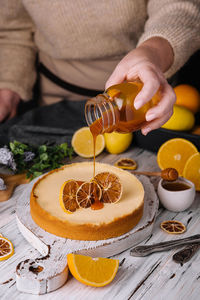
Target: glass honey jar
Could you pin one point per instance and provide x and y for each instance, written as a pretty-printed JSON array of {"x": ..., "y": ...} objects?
[{"x": 114, "y": 109}]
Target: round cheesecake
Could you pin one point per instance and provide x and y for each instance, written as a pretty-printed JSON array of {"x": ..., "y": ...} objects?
[{"x": 113, "y": 220}]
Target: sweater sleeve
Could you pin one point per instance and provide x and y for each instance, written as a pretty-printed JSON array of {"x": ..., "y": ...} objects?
[
  {"x": 17, "y": 50},
  {"x": 177, "y": 21}
]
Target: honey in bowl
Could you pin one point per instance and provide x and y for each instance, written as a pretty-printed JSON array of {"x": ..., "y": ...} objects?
[
  {"x": 175, "y": 186},
  {"x": 177, "y": 195}
]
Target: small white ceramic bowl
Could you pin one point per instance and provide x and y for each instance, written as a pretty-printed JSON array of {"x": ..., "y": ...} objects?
[{"x": 176, "y": 200}]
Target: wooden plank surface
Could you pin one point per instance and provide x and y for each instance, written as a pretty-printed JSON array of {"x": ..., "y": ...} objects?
[{"x": 153, "y": 277}]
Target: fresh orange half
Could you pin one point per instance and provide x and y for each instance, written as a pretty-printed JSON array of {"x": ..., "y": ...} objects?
[
  {"x": 110, "y": 185},
  {"x": 174, "y": 153},
  {"x": 67, "y": 196},
  {"x": 92, "y": 271},
  {"x": 192, "y": 170},
  {"x": 6, "y": 248},
  {"x": 173, "y": 227},
  {"x": 82, "y": 143},
  {"x": 88, "y": 193},
  {"x": 126, "y": 164}
]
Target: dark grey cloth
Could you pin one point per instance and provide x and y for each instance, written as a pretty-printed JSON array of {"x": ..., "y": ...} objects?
[{"x": 50, "y": 124}]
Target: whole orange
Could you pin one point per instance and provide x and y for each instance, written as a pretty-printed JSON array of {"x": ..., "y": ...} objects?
[{"x": 188, "y": 96}]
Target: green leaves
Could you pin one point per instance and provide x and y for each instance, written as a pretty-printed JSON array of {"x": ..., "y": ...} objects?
[
  {"x": 41, "y": 159},
  {"x": 18, "y": 148}
]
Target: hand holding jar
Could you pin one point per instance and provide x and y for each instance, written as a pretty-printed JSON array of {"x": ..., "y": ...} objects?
[{"x": 147, "y": 63}]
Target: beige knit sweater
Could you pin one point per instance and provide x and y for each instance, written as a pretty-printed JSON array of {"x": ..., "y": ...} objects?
[{"x": 82, "y": 40}]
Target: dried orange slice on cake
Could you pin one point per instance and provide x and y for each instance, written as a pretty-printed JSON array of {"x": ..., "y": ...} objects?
[
  {"x": 173, "y": 227},
  {"x": 88, "y": 193},
  {"x": 67, "y": 196},
  {"x": 6, "y": 248},
  {"x": 92, "y": 271},
  {"x": 110, "y": 185}
]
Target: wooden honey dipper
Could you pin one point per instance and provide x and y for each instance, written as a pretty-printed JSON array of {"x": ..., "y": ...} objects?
[{"x": 169, "y": 174}]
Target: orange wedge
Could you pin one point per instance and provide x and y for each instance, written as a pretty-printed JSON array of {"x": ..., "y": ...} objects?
[
  {"x": 6, "y": 248},
  {"x": 173, "y": 227},
  {"x": 67, "y": 197},
  {"x": 110, "y": 185},
  {"x": 192, "y": 170},
  {"x": 92, "y": 271},
  {"x": 88, "y": 193},
  {"x": 174, "y": 153}
]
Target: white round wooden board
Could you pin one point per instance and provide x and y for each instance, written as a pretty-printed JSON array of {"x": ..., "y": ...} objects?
[{"x": 54, "y": 249}]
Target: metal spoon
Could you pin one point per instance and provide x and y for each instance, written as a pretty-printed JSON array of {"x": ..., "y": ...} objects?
[{"x": 148, "y": 249}]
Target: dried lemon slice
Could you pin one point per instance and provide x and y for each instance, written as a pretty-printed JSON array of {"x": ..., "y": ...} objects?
[
  {"x": 6, "y": 248},
  {"x": 126, "y": 163},
  {"x": 67, "y": 196},
  {"x": 110, "y": 185},
  {"x": 88, "y": 193},
  {"x": 173, "y": 227}
]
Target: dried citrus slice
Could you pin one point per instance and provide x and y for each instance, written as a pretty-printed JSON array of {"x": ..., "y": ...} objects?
[
  {"x": 6, "y": 248},
  {"x": 88, "y": 193},
  {"x": 173, "y": 227},
  {"x": 174, "y": 153},
  {"x": 92, "y": 271},
  {"x": 126, "y": 163},
  {"x": 192, "y": 170},
  {"x": 67, "y": 196},
  {"x": 82, "y": 142},
  {"x": 110, "y": 185}
]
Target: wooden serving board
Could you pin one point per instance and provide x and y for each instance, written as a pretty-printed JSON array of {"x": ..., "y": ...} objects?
[
  {"x": 50, "y": 271},
  {"x": 11, "y": 182}
]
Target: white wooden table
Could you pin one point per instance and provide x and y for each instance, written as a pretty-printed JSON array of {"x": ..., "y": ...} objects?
[{"x": 153, "y": 277}]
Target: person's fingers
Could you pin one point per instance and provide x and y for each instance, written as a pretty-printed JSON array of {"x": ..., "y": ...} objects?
[
  {"x": 157, "y": 123},
  {"x": 8, "y": 104},
  {"x": 4, "y": 112},
  {"x": 165, "y": 105},
  {"x": 13, "y": 113},
  {"x": 118, "y": 76},
  {"x": 151, "y": 84}
]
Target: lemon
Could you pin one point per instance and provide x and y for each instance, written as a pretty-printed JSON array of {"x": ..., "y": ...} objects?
[
  {"x": 82, "y": 143},
  {"x": 117, "y": 142},
  {"x": 182, "y": 119}
]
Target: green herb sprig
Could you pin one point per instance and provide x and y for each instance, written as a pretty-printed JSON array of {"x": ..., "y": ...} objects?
[{"x": 41, "y": 159}]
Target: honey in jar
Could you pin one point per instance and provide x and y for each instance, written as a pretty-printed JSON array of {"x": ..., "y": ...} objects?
[{"x": 114, "y": 110}]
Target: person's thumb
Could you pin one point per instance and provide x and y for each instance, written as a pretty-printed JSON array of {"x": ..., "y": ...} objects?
[{"x": 116, "y": 77}]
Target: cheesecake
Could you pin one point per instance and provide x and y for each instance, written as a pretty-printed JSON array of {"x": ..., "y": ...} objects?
[{"x": 113, "y": 220}]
